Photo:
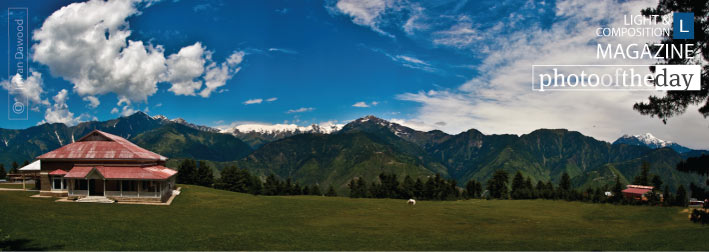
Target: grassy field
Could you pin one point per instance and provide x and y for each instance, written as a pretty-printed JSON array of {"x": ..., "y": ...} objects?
[
  {"x": 15, "y": 186},
  {"x": 207, "y": 219}
]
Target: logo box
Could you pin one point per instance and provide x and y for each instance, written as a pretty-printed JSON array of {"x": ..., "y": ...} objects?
[{"x": 683, "y": 25}]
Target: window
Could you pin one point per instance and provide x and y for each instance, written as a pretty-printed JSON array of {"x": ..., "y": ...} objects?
[
  {"x": 129, "y": 185},
  {"x": 81, "y": 184},
  {"x": 58, "y": 183}
]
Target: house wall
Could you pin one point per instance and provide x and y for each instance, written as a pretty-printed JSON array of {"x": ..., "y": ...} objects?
[{"x": 49, "y": 165}]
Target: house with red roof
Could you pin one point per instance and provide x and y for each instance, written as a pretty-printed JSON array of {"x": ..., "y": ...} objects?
[
  {"x": 105, "y": 165},
  {"x": 636, "y": 192}
]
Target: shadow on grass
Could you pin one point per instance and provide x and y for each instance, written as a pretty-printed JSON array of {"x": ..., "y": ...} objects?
[{"x": 25, "y": 244}]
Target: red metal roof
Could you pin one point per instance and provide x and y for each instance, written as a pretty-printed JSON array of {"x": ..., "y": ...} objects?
[
  {"x": 58, "y": 172},
  {"x": 79, "y": 172},
  {"x": 637, "y": 191},
  {"x": 114, "y": 147},
  {"x": 155, "y": 172}
]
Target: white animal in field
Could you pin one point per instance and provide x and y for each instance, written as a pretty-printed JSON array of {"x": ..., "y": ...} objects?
[{"x": 411, "y": 202}]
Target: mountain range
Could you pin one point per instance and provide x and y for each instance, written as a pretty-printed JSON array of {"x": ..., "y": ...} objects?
[{"x": 334, "y": 154}]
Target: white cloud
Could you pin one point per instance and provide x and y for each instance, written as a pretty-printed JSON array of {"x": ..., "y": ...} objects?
[
  {"x": 32, "y": 88},
  {"x": 217, "y": 76},
  {"x": 87, "y": 44},
  {"x": 73, "y": 43},
  {"x": 253, "y": 101},
  {"x": 272, "y": 99},
  {"x": 300, "y": 110},
  {"x": 408, "y": 61},
  {"x": 59, "y": 111},
  {"x": 462, "y": 34},
  {"x": 184, "y": 67},
  {"x": 364, "y": 104},
  {"x": 283, "y": 50},
  {"x": 365, "y": 12},
  {"x": 114, "y": 111},
  {"x": 93, "y": 101},
  {"x": 500, "y": 100},
  {"x": 360, "y": 105}
]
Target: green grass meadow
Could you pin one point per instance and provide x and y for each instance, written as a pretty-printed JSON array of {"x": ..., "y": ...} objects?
[
  {"x": 16, "y": 186},
  {"x": 207, "y": 219}
]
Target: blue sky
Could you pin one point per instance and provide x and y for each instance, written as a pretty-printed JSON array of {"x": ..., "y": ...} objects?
[{"x": 451, "y": 65}]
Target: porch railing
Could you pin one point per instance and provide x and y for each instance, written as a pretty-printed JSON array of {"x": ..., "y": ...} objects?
[{"x": 132, "y": 194}]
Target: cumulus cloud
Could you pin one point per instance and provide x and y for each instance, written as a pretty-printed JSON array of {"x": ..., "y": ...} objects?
[
  {"x": 87, "y": 44},
  {"x": 31, "y": 88},
  {"x": 217, "y": 75},
  {"x": 300, "y": 110},
  {"x": 253, "y": 101},
  {"x": 93, "y": 101},
  {"x": 272, "y": 99},
  {"x": 59, "y": 111},
  {"x": 184, "y": 67}
]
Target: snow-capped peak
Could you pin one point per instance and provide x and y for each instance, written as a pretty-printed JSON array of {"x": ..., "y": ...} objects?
[
  {"x": 649, "y": 139},
  {"x": 273, "y": 129},
  {"x": 160, "y": 117}
]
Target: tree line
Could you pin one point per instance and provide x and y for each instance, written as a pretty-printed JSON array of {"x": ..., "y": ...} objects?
[
  {"x": 13, "y": 170},
  {"x": 388, "y": 185},
  {"x": 241, "y": 180}
]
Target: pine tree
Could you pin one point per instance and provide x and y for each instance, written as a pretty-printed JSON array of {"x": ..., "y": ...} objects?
[
  {"x": 315, "y": 190},
  {"x": 470, "y": 190},
  {"x": 272, "y": 187},
  {"x": 529, "y": 189},
  {"x": 518, "y": 186},
  {"x": 617, "y": 191},
  {"x": 644, "y": 177},
  {"x": 205, "y": 175},
  {"x": 681, "y": 198},
  {"x": 2, "y": 171},
  {"x": 407, "y": 188},
  {"x": 187, "y": 172},
  {"x": 565, "y": 186},
  {"x": 478, "y": 189},
  {"x": 418, "y": 189},
  {"x": 14, "y": 168},
  {"x": 331, "y": 192},
  {"x": 255, "y": 186},
  {"x": 666, "y": 196},
  {"x": 306, "y": 190},
  {"x": 297, "y": 189},
  {"x": 656, "y": 182},
  {"x": 233, "y": 179},
  {"x": 675, "y": 103},
  {"x": 540, "y": 189},
  {"x": 362, "y": 188},
  {"x": 288, "y": 187},
  {"x": 549, "y": 191},
  {"x": 497, "y": 185},
  {"x": 354, "y": 190}
]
